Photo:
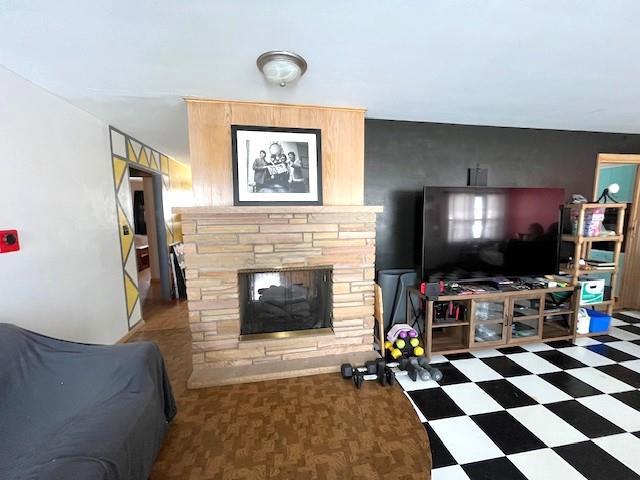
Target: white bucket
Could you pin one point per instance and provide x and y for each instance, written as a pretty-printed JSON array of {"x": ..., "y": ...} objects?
[{"x": 583, "y": 321}]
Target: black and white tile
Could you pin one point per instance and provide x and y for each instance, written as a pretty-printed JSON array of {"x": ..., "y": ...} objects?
[{"x": 540, "y": 411}]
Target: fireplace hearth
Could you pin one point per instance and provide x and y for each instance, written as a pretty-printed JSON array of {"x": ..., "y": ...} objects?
[{"x": 285, "y": 300}]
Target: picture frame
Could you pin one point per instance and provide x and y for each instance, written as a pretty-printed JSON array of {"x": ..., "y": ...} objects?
[{"x": 276, "y": 165}]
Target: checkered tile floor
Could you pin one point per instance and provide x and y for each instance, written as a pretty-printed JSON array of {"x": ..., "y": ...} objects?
[{"x": 545, "y": 411}]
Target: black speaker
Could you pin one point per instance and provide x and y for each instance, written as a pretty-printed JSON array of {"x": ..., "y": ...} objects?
[{"x": 477, "y": 177}]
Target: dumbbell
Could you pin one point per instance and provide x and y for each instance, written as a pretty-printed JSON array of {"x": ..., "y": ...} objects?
[
  {"x": 407, "y": 366},
  {"x": 403, "y": 364},
  {"x": 414, "y": 369},
  {"x": 404, "y": 334},
  {"x": 372, "y": 367},
  {"x": 423, "y": 373},
  {"x": 436, "y": 373},
  {"x": 359, "y": 374},
  {"x": 386, "y": 376},
  {"x": 346, "y": 370},
  {"x": 384, "y": 373},
  {"x": 358, "y": 378},
  {"x": 355, "y": 374}
]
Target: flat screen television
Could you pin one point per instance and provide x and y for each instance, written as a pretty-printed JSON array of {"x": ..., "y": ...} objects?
[{"x": 479, "y": 232}]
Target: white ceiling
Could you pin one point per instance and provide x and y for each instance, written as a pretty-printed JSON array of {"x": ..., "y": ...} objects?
[{"x": 566, "y": 64}]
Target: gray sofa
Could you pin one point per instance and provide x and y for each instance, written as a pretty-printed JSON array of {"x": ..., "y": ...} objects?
[{"x": 76, "y": 411}]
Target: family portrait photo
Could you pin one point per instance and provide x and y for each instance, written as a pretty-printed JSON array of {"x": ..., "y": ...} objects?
[{"x": 273, "y": 165}]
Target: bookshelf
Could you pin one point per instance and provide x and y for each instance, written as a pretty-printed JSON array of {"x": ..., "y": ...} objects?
[{"x": 581, "y": 215}]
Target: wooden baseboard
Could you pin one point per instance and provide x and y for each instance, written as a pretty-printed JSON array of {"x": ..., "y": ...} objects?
[{"x": 131, "y": 332}]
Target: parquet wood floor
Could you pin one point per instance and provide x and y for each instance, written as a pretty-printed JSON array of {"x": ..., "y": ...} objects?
[
  {"x": 157, "y": 313},
  {"x": 317, "y": 427}
]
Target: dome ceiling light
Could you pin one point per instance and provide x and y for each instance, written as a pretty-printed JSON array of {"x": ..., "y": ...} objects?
[{"x": 281, "y": 67}]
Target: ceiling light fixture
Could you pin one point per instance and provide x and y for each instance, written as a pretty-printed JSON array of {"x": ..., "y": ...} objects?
[{"x": 281, "y": 67}]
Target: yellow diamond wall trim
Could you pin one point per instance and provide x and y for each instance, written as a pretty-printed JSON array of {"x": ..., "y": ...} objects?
[
  {"x": 119, "y": 168},
  {"x": 131, "y": 154},
  {"x": 131, "y": 293},
  {"x": 127, "y": 151},
  {"x": 144, "y": 159}
]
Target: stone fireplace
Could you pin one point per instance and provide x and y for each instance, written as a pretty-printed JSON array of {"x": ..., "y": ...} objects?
[
  {"x": 285, "y": 300},
  {"x": 313, "y": 300}
]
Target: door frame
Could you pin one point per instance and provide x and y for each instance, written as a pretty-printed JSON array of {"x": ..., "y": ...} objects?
[
  {"x": 161, "y": 232},
  {"x": 631, "y": 270}
]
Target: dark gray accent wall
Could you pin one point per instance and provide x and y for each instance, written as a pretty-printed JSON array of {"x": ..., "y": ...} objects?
[{"x": 401, "y": 157}]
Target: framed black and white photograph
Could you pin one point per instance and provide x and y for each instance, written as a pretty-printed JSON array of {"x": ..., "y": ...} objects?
[{"x": 276, "y": 166}]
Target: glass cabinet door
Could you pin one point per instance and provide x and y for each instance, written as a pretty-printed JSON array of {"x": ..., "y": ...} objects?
[
  {"x": 488, "y": 322},
  {"x": 526, "y": 315}
]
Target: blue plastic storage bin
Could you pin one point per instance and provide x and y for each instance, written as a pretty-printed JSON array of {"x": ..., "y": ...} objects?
[{"x": 599, "y": 321}]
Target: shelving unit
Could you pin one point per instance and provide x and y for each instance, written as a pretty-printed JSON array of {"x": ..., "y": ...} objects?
[
  {"x": 603, "y": 238},
  {"x": 583, "y": 244}
]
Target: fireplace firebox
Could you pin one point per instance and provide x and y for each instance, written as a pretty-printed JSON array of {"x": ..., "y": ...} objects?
[{"x": 285, "y": 300}]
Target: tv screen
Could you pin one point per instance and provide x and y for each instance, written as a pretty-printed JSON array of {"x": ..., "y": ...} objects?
[{"x": 476, "y": 232}]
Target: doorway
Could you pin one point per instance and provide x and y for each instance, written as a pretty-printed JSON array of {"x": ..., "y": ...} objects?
[
  {"x": 150, "y": 242},
  {"x": 624, "y": 171}
]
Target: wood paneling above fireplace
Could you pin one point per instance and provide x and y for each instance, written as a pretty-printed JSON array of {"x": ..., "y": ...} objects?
[{"x": 210, "y": 146}]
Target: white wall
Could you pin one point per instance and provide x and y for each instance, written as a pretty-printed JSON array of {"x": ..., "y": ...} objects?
[{"x": 56, "y": 188}]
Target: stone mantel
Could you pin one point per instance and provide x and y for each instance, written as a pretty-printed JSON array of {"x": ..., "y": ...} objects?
[
  {"x": 199, "y": 211},
  {"x": 220, "y": 241}
]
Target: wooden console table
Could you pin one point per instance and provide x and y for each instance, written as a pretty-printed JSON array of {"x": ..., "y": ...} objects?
[{"x": 494, "y": 319}]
